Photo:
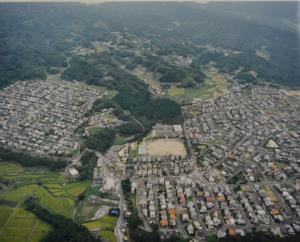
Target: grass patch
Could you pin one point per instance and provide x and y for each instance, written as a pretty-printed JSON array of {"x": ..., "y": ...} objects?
[
  {"x": 269, "y": 193},
  {"x": 132, "y": 199},
  {"x": 109, "y": 235},
  {"x": 109, "y": 219},
  {"x": 211, "y": 238},
  {"x": 86, "y": 212},
  {"x": 105, "y": 223},
  {"x": 119, "y": 140},
  {"x": 92, "y": 191}
]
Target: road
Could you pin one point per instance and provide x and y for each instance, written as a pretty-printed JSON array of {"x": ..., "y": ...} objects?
[
  {"x": 146, "y": 225},
  {"x": 138, "y": 123},
  {"x": 117, "y": 231}
]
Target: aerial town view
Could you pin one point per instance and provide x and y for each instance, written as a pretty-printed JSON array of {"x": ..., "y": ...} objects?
[{"x": 143, "y": 122}]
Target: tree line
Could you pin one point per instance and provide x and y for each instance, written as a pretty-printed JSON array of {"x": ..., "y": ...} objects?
[
  {"x": 28, "y": 160},
  {"x": 63, "y": 229},
  {"x": 88, "y": 161}
]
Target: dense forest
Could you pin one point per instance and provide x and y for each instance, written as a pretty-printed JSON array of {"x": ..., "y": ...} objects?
[
  {"x": 28, "y": 160},
  {"x": 100, "y": 140},
  {"x": 88, "y": 161}
]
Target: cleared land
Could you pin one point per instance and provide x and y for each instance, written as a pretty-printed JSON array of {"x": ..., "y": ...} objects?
[
  {"x": 16, "y": 224},
  {"x": 164, "y": 147},
  {"x": 148, "y": 77},
  {"x": 294, "y": 93}
]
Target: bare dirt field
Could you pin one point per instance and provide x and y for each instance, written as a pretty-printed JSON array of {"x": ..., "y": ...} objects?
[
  {"x": 295, "y": 93},
  {"x": 164, "y": 147}
]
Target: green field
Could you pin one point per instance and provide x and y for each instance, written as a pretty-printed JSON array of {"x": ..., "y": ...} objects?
[
  {"x": 105, "y": 225},
  {"x": 19, "y": 225},
  {"x": 5, "y": 212},
  {"x": 106, "y": 222},
  {"x": 86, "y": 212},
  {"x": 52, "y": 191},
  {"x": 119, "y": 140},
  {"x": 75, "y": 189},
  {"x": 214, "y": 85},
  {"x": 109, "y": 235},
  {"x": 10, "y": 172}
]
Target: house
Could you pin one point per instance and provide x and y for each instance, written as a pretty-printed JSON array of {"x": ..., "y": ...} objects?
[
  {"x": 232, "y": 232},
  {"x": 221, "y": 197},
  {"x": 221, "y": 234},
  {"x": 190, "y": 229},
  {"x": 185, "y": 217},
  {"x": 164, "y": 223},
  {"x": 73, "y": 173},
  {"x": 172, "y": 213}
]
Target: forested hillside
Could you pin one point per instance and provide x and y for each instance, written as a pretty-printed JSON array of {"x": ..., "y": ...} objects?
[
  {"x": 38, "y": 38},
  {"x": 282, "y": 15}
]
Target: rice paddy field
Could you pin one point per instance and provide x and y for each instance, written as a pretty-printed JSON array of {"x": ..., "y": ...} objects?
[
  {"x": 53, "y": 191},
  {"x": 18, "y": 225},
  {"x": 105, "y": 227}
]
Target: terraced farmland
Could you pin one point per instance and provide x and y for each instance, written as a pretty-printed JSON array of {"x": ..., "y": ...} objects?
[
  {"x": 105, "y": 227},
  {"x": 18, "y": 225},
  {"x": 53, "y": 191}
]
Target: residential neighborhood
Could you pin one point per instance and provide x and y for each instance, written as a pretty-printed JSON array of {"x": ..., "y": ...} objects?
[
  {"x": 231, "y": 168},
  {"x": 41, "y": 116},
  {"x": 150, "y": 121},
  {"x": 241, "y": 174}
]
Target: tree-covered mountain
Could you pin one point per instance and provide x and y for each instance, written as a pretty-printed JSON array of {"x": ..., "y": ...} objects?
[{"x": 253, "y": 38}]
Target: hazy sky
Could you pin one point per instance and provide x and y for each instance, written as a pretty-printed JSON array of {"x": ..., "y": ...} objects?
[{"x": 141, "y": 0}]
